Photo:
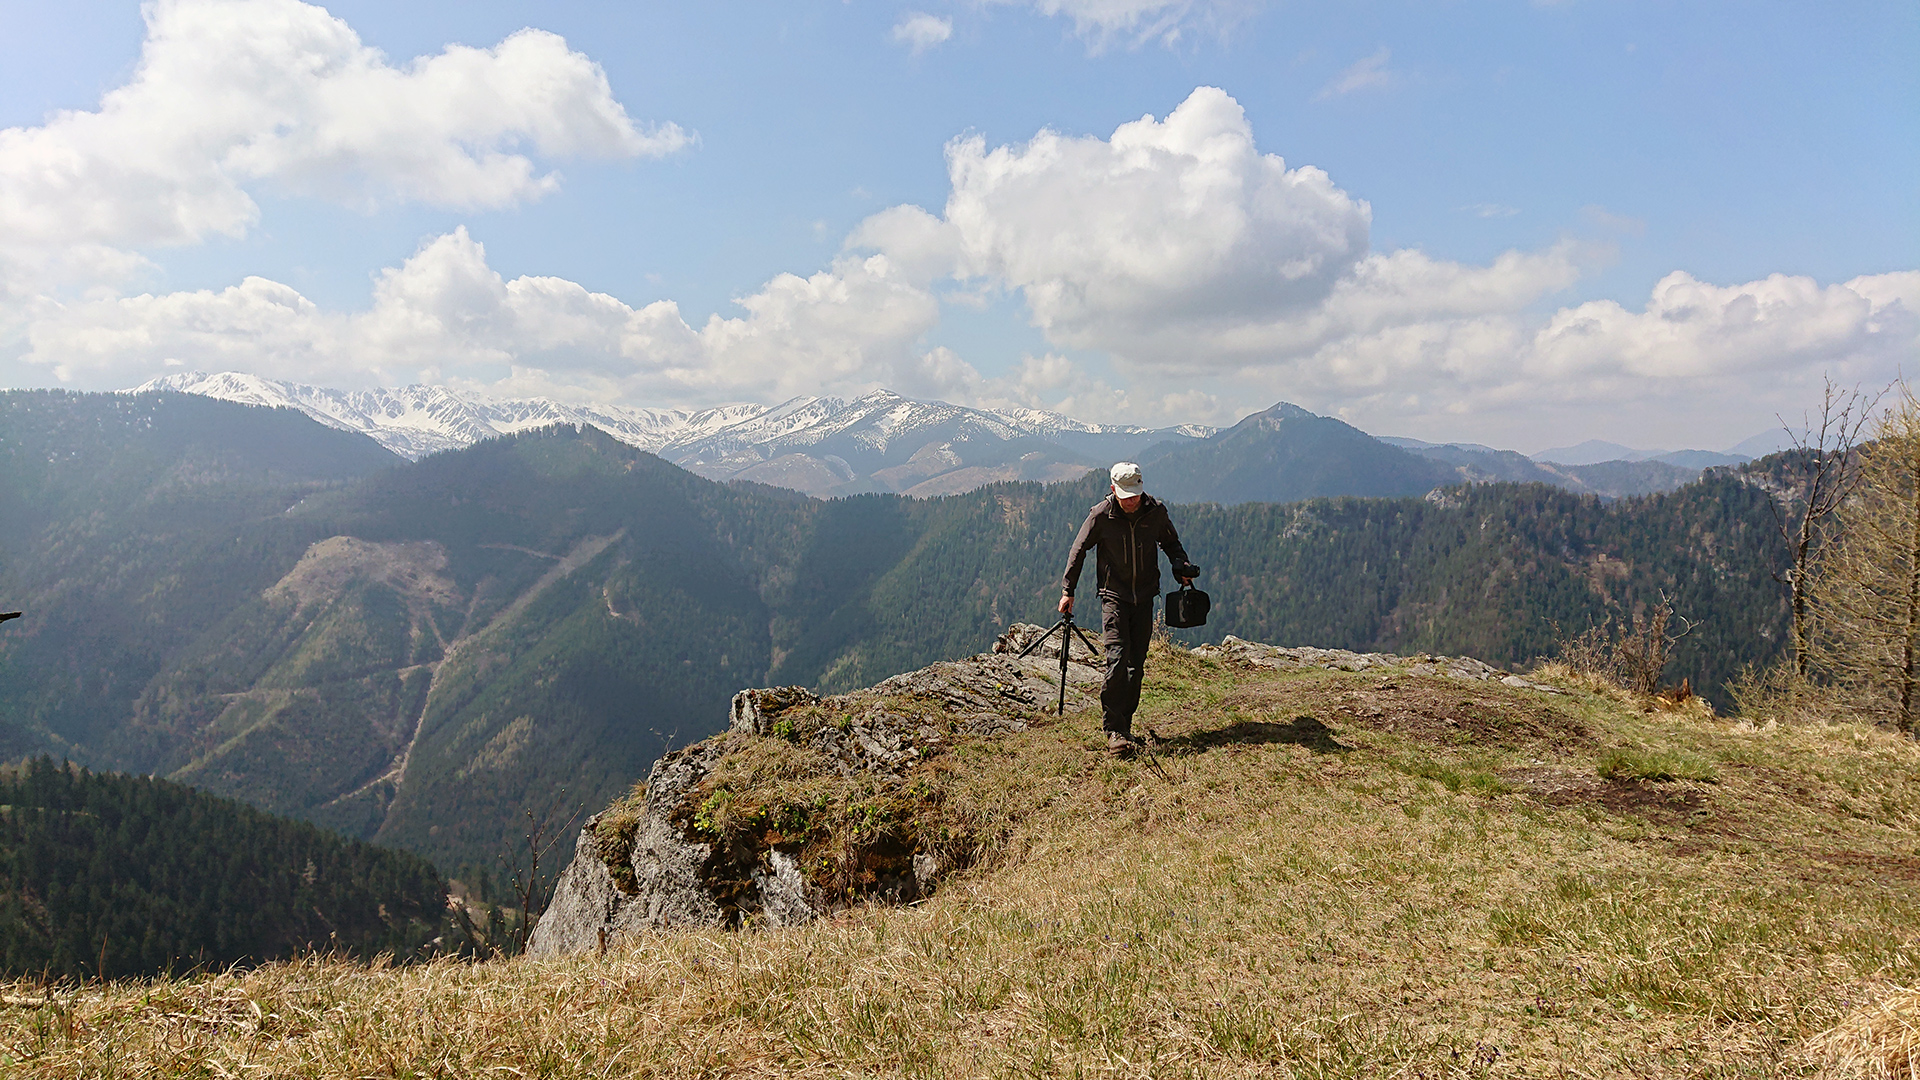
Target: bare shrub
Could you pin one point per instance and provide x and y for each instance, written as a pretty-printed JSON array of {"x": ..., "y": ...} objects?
[
  {"x": 1824, "y": 474},
  {"x": 1590, "y": 652},
  {"x": 503, "y": 930},
  {"x": 1633, "y": 653},
  {"x": 1646, "y": 646}
]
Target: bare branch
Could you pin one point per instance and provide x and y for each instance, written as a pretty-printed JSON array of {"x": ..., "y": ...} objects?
[{"x": 1826, "y": 456}]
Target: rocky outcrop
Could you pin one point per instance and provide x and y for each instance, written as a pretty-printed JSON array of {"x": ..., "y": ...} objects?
[
  {"x": 663, "y": 870},
  {"x": 705, "y": 844},
  {"x": 680, "y": 854}
]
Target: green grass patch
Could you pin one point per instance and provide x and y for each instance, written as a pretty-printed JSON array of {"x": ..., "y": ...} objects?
[
  {"x": 1657, "y": 766},
  {"x": 1454, "y": 777}
]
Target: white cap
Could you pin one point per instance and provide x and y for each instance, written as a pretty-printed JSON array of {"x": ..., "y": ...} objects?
[{"x": 1126, "y": 480}]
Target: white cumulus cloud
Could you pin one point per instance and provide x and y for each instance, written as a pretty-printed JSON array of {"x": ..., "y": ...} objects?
[
  {"x": 920, "y": 31},
  {"x": 1698, "y": 363},
  {"x": 1691, "y": 330},
  {"x": 1180, "y": 220},
  {"x": 1210, "y": 272},
  {"x": 447, "y": 316},
  {"x": 232, "y": 93},
  {"x": 1175, "y": 245}
]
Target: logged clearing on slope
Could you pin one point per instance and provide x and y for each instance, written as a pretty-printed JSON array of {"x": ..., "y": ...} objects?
[{"x": 1374, "y": 873}]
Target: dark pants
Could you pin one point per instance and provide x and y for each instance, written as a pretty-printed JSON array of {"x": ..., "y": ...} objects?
[{"x": 1125, "y": 630}]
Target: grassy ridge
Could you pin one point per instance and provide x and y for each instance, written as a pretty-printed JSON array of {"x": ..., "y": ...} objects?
[{"x": 1338, "y": 875}]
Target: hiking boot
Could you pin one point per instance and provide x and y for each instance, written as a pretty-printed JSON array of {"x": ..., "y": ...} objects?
[{"x": 1120, "y": 746}]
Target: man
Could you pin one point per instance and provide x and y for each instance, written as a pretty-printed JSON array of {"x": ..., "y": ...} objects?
[{"x": 1125, "y": 527}]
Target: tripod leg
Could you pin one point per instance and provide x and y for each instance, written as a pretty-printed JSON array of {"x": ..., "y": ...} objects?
[
  {"x": 1066, "y": 630},
  {"x": 1064, "y": 642},
  {"x": 1066, "y": 646},
  {"x": 1088, "y": 642},
  {"x": 1042, "y": 639}
]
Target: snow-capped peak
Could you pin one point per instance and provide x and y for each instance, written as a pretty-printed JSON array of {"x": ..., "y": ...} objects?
[
  {"x": 414, "y": 421},
  {"x": 878, "y": 430}
]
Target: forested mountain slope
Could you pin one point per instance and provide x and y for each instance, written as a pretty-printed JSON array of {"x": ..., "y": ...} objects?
[
  {"x": 104, "y": 876},
  {"x": 421, "y": 654},
  {"x": 1287, "y": 453},
  {"x": 1485, "y": 570},
  {"x": 1610, "y": 479},
  {"x": 129, "y": 525}
]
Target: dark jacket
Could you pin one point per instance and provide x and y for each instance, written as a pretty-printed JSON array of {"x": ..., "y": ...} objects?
[{"x": 1128, "y": 567}]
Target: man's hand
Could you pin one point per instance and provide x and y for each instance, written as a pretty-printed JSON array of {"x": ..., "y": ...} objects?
[{"x": 1066, "y": 603}]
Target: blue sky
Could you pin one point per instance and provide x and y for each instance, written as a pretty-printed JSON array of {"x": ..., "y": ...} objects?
[{"x": 1508, "y": 191}]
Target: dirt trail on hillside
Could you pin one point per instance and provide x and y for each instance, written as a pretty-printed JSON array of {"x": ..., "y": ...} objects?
[
  {"x": 580, "y": 555},
  {"x": 583, "y": 553}
]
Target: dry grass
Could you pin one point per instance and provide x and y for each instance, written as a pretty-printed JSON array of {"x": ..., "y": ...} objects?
[
  {"x": 1329, "y": 881},
  {"x": 1879, "y": 1042}
]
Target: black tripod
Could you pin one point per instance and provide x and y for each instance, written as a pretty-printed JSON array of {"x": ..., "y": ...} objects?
[{"x": 1067, "y": 631}]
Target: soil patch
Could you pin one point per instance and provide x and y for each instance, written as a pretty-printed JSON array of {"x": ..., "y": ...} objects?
[
  {"x": 1443, "y": 712},
  {"x": 1659, "y": 803},
  {"x": 1300, "y": 731},
  {"x": 1663, "y": 804}
]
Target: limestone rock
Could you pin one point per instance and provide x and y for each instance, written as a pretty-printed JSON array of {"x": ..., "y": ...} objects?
[
  {"x": 681, "y": 876},
  {"x": 585, "y": 901},
  {"x": 668, "y": 869},
  {"x": 756, "y": 711}
]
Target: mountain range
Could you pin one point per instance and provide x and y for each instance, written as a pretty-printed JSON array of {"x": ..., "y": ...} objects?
[
  {"x": 1285, "y": 453},
  {"x": 1594, "y": 451},
  {"x": 420, "y": 653},
  {"x": 880, "y": 442},
  {"x": 883, "y": 442}
]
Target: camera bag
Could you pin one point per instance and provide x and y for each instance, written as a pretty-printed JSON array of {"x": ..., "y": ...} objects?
[{"x": 1187, "y": 606}]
